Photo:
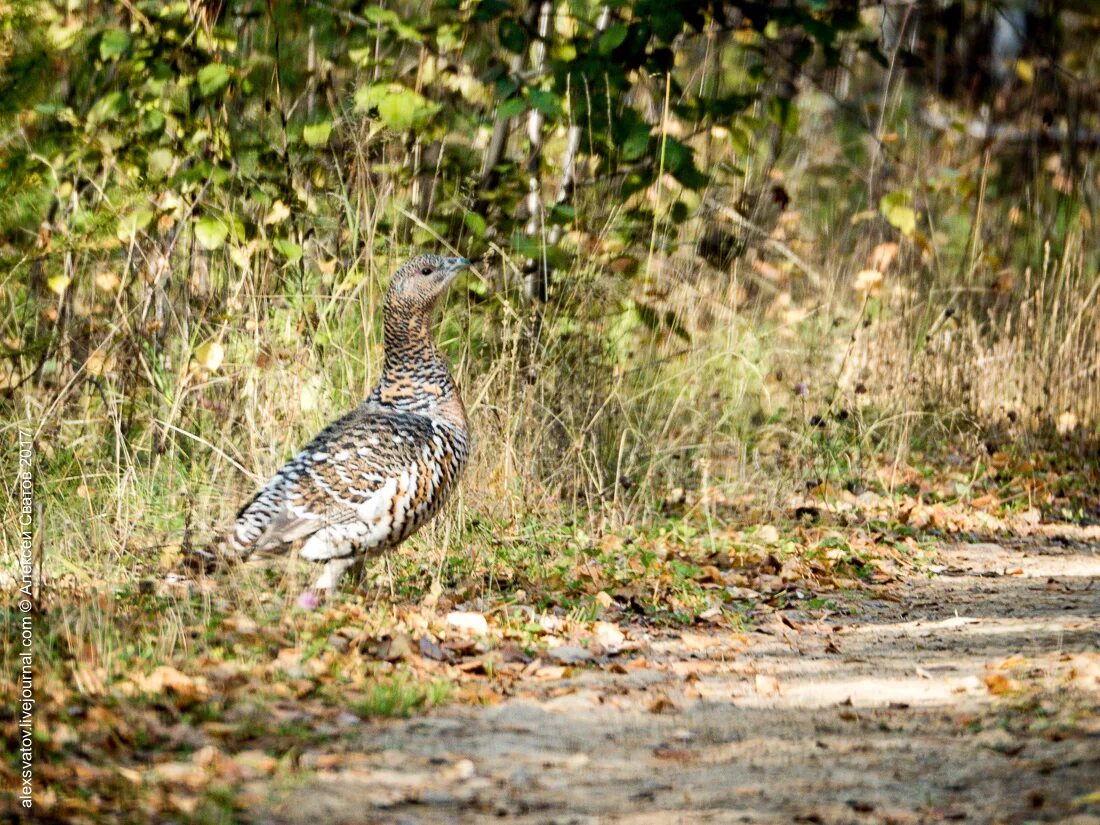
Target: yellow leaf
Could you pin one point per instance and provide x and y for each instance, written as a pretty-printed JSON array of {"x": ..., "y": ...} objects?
[
  {"x": 1087, "y": 799},
  {"x": 868, "y": 280},
  {"x": 210, "y": 355},
  {"x": 1067, "y": 423},
  {"x": 308, "y": 395},
  {"x": 9, "y": 375},
  {"x": 242, "y": 255},
  {"x": 96, "y": 363},
  {"x": 1025, "y": 70},
  {"x": 58, "y": 284},
  {"x": 107, "y": 281},
  {"x": 278, "y": 213},
  {"x": 903, "y": 218}
]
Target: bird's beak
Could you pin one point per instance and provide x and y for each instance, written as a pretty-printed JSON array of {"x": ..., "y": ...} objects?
[{"x": 453, "y": 266}]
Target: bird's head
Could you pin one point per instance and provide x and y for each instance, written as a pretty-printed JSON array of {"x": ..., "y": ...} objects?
[{"x": 423, "y": 279}]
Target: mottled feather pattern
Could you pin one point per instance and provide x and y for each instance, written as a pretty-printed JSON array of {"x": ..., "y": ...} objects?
[
  {"x": 367, "y": 481},
  {"x": 335, "y": 483}
]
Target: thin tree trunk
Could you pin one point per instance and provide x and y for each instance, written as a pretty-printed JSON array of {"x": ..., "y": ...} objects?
[
  {"x": 534, "y": 283},
  {"x": 502, "y": 126},
  {"x": 427, "y": 159},
  {"x": 568, "y": 181}
]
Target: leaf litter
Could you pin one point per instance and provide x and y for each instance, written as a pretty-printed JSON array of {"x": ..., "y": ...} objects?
[{"x": 254, "y": 693}]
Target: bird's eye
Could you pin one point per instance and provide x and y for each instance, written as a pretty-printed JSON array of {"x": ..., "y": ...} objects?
[{"x": 426, "y": 271}]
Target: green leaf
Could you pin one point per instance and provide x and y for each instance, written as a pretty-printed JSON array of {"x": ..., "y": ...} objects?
[
  {"x": 512, "y": 36},
  {"x": 899, "y": 197},
  {"x": 783, "y": 114},
  {"x": 525, "y": 245},
  {"x": 477, "y": 287},
  {"x": 506, "y": 86},
  {"x": 114, "y": 43},
  {"x": 362, "y": 57},
  {"x": 546, "y": 102},
  {"x": 288, "y": 249},
  {"x": 152, "y": 122},
  {"x": 404, "y": 111},
  {"x": 636, "y": 142},
  {"x": 159, "y": 162},
  {"x": 676, "y": 154},
  {"x": 637, "y": 180},
  {"x": 449, "y": 38},
  {"x": 210, "y": 233},
  {"x": 537, "y": 250},
  {"x": 562, "y": 214},
  {"x": 740, "y": 140},
  {"x": 213, "y": 78},
  {"x": 316, "y": 134},
  {"x": 475, "y": 223},
  {"x": 107, "y": 108},
  {"x": 392, "y": 21},
  {"x": 399, "y": 108},
  {"x": 512, "y": 108},
  {"x": 612, "y": 38},
  {"x": 130, "y": 225},
  {"x": 898, "y": 213},
  {"x": 680, "y": 161}
]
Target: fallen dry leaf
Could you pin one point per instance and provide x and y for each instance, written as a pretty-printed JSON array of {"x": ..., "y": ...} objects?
[
  {"x": 610, "y": 636},
  {"x": 766, "y": 685},
  {"x": 868, "y": 281},
  {"x": 187, "y": 774},
  {"x": 662, "y": 704},
  {"x": 998, "y": 684},
  {"x": 167, "y": 679},
  {"x": 468, "y": 622}
]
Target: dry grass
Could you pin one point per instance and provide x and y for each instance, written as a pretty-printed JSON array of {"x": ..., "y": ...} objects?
[{"x": 741, "y": 380}]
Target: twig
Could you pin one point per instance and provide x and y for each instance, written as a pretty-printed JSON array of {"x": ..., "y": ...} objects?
[
  {"x": 815, "y": 277},
  {"x": 1007, "y": 133},
  {"x": 254, "y": 476}
]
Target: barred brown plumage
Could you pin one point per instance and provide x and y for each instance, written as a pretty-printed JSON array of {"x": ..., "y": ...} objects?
[{"x": 367, "y": 481}]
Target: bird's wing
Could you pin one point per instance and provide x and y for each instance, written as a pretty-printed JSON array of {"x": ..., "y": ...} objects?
[{"x": 347, "y": 478}]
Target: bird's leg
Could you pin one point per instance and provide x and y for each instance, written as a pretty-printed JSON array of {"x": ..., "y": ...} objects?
[
  {"x": 334, "y": 571},
  {"x": 389, "y": 576}
]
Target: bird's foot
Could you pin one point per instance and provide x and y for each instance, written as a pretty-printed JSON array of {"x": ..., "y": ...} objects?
[{"x": 334, "y": 571}]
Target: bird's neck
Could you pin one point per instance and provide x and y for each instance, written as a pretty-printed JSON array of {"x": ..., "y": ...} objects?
[
  {"x": 415, "y": 377},
  {"x": 408, "y": 342}
]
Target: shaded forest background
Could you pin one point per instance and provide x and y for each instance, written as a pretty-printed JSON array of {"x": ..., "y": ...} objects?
[{"x": 726, "y": 252}]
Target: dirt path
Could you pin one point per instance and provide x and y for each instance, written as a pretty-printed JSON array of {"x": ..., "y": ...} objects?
[{"x": 893, "y": 710}]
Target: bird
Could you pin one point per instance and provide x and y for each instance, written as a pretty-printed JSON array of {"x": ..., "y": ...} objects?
[{"x": 371, "y": 478}]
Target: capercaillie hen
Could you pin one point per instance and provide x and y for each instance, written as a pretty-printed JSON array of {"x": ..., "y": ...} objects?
[{"x": 367, "y": 481}]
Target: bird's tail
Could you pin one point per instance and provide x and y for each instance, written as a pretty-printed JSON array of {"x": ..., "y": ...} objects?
[
  {"x": 202, "y": 559},
  {"x": 222, "y": 552}
]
